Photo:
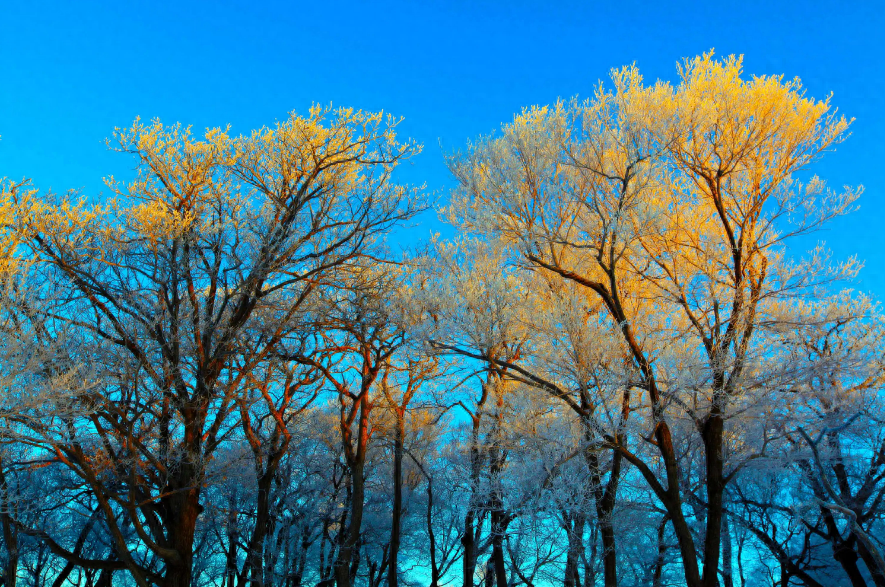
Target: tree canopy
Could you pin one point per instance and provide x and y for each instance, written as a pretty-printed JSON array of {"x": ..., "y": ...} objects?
[{"x": 621, "y": 370}]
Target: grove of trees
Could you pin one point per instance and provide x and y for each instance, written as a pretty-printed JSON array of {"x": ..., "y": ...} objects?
[{"x": 623, "y": 369}]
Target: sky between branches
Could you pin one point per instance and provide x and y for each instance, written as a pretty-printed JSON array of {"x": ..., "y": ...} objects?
[{"x": 455, "y": 70}]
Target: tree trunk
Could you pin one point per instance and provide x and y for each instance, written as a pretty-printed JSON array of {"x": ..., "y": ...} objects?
[
  {"x": 574, "y": 526},
  {"x": 233, "y": 538},
  {"x": 712, "y": 435},
  {"x": 605, "y": 497},
  {"x": 727, "y": 570},
  {"x": 468, "y": 542},
  {"x": 398, "y": 449},
  {"x": 658, "y": 572},
  {"x": 184, "y": 507},
  {"x": 435, "y": 574},
  {"x": 10, "y": 535},
  {"x": 252, "y": 569},
  {"x": 357, "y": 462},
  {"x": 499, "y": 521},
  {"x": 301, "y": 561},
  {"x": 105, "y": 579},
  {"x": 847, "y": 557},
  {"x": 671, "y": 497},
  {"x": 870, "y": 562},
  {"x": 490, "y": 574},
  {"x": 499, "y": 527},
  {"x": 471, "y": 525},
  {"x": 590, "y": 564},
  {"x": 843, "y": 552}
]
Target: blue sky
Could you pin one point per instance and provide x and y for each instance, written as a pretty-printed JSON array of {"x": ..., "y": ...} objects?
[{"x": 70, "y": 72}]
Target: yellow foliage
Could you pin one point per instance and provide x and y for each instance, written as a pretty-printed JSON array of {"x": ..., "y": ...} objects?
[
  {"x": 667, "y": 203},
  {"x": 189, "y": 188}
]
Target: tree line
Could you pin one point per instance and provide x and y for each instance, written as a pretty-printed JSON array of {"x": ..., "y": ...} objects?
[{"x": 622, "y": 369}]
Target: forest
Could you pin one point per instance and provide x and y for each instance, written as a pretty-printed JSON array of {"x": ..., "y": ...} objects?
[{"x": 627, "y": 363}]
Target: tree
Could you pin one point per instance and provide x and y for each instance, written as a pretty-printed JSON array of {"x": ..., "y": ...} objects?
[
  {"x": 668, "y": 205},
  {"x": 616, "y": 373},
  {"x": 178, "y": 289}
]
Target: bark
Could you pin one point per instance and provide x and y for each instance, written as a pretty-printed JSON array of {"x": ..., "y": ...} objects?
[
  {"x": 398, "y": 449},
  {"x": 870, "y": 562},
  {"x": 684, "y": 539},
  {"x": 182, "y": 508},
  {"x": 847, "y": 557},
  {"x": 843, "y": 550},
  {"x": 472, "y": 525},
  {"x": 10, "y": 536},
  {"x": 490, "y": 574},
  {"x": 590, "y": 565},
  {"x": 658, "y": 571},
  {"x": 712, "y": 435},
  {"x": 605, "y": 495},
  {"x": 233, "y": 539},
  {"x": 346, "y": 561},
  {"x": 499, "y": 518},
  {"x": 574, "y": 527},
  {"x": 105, "y": 579},
  {"x": 435, "y": 572},
  {"x": 727, "y": 570},
  {"x": 499, "y": 527},
  {"x": 297, "y": 574},
  {"x": 252, "y": 568},
  {"x": 468, "y": 542}
]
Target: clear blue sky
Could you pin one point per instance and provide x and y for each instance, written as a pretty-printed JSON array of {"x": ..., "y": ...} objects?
[{"x": 72, "y": 71}]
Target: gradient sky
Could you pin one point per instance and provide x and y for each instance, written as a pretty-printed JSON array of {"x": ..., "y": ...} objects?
[{"x": 72, "y": 71}]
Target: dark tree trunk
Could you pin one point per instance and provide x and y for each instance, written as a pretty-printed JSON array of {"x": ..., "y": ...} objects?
[
  {"x": 348, "y": 551},
  {"x": 471, "y": 523},
  {"x": 10, "y": 535},
  {"x": 468, "y": 542},
  {"x": 727, "y": 569},
  {"x": 398, "y": 449},
  {"x": 233, "y": 537},
  {"x": 490, "y": 574},
  {"x": 712, "y": 435},
  {"x": 658, "y": 572},
  {"x": 105, "y": 579},
  {"x": 183, "y": 507},
  {"x": 435, "y": 573},
  {"x": 301, "y": 561},
  {"x": 574, "y": 527},
  {"x": 843, "y": 551},
  {"x": 252, "y": 569},
  {"x": 866, "y": 556},
  {"x": 499, "y": 518},
  {"x": 605, "y": 496},
  {"x": 847, "y": 557},
  {"x": 499, "y": 527}
]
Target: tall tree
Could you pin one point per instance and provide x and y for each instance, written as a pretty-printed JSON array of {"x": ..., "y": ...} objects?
[
  {"x": 668, "y": 205},
  {"x": 177, "y": 289}
]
